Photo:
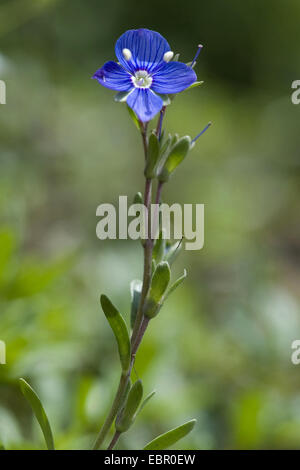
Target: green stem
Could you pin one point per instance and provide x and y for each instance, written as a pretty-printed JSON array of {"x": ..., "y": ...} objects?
[
  {"x": 135, "y": 347},
  {"x": 135, "y": 341},
  {"x": 113, "y": 411}
]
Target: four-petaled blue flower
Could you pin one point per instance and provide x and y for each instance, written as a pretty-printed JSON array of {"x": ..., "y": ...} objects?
[{"x": 144, "y": 69}]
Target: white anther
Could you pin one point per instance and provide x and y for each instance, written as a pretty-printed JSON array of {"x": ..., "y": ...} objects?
[
  {"x": 168, "y": 56},
  {"x": 126, "y": 54}
]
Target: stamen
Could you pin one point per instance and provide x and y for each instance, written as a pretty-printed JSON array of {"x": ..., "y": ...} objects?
[
  {"x": 168, "y": 56},
  {"x": 196, "y": 55},
  {"x": 126, "y": 54},
  {"x": 202, "y": 132}
]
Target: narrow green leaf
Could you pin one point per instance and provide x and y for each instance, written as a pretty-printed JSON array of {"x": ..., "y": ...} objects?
[
  {"x": 144, "y": 403},
  {"x": 120, "y": 331},
  {"x": 133, "y": 117},
  {"x": 135, "y": 291},
  {"x": 175, "y": 157},
  {"x": 176, "y": 283},
  {"x": 164, "y": 441},
  {"x": 152, "y": 155},
  {"x": 128, "y": 414},
  {"x": 39, "y": 412}
]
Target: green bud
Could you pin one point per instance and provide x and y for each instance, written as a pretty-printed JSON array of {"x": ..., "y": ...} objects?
[
  {"x": 176, "y": 156},
  {"x": 128, "y": 414},
  {"x": 159, "y": 284},
  {"x": 135, "y": 291},
  {"x": 152, "y": 156}
]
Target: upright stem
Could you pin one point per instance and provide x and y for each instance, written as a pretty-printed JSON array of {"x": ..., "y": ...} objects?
[
  {"x": 113, "y": 412},
  {"x": 137, "y": 335},
  {"x": 156, "y": 215}
]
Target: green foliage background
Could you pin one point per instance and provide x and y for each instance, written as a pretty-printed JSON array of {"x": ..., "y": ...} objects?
[{"x": 220, "y": 348}]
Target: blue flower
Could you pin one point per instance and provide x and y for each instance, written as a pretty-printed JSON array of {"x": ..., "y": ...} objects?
[{"x": 144, "y": 71}]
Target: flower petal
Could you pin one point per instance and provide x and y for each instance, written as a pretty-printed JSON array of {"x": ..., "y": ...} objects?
[
  {"x": 147, "y": 48},
  {"x": 173, "y": 77},
  {"x": 144, "y": 103},
  {"x": 113, "y": 76}
]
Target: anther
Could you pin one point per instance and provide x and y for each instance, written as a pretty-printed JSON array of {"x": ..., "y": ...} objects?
[
  {"x": 126, "y": 54},
  {"x": 168, "y": 56}
]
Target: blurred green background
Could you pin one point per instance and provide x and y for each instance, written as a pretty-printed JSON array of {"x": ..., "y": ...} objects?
[{"x": 220, "y": 349}]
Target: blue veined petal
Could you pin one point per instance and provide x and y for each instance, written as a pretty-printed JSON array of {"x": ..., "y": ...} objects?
[
  {"x": 173, "y": 77},
  {"x": 113, "y": 76},
  {"x": 144, "y": 103},
  {"x": 147, "y": 49}
]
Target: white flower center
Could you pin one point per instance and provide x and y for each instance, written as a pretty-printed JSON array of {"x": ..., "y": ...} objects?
[{"x": 142, "y": 79}]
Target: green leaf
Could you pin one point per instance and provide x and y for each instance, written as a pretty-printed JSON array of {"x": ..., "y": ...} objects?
[
  {"x": 120, "y": 331},
  {"x": 158, "y": 287},
  {"x": 175, "y": 157},
  {"x": 176, "y": 283},
  {"x": 152, "y": 155},
  {"x": 164, "y": 441},
  {"x": 128, "y": 414},
  {"x": 147, "y": 399},
  {"x": 134, "y": 118},
  {"x": 135, "y": 291},
  {"x": 39, "y": 412}
]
